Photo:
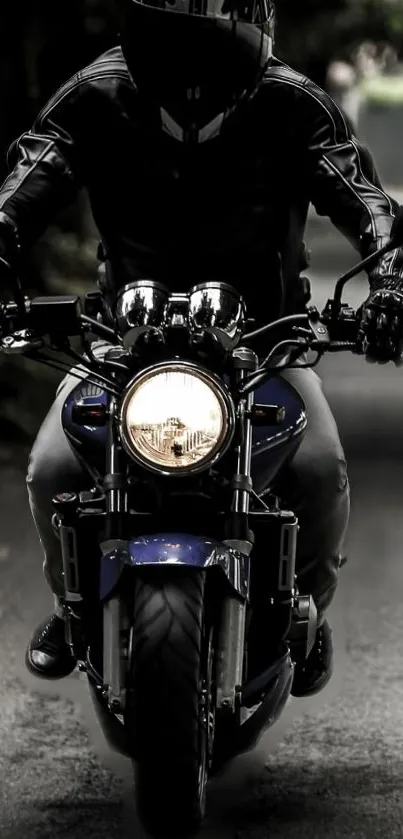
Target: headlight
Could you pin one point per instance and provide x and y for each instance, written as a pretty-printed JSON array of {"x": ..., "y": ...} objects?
[{"x": 176, "y": 418}]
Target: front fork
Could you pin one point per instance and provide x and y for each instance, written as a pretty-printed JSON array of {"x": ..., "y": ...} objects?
[
  {"x": 293, "y": 616},
  {"x": 231, "y": 635},
  {"x": 116, "y": 622}
]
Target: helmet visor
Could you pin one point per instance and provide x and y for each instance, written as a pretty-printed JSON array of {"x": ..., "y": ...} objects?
[{"x": 248, "y": 11}]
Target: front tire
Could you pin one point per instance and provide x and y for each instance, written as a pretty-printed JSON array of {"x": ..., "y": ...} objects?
[{"x": 167, "y": 715}]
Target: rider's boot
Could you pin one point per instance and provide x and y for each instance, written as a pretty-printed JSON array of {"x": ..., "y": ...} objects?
[
  {"x": 48, "y": 655},
  {"x": 312, "y": 675}
]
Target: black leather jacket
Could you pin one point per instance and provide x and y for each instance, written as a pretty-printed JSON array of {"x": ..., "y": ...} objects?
[{"x": 234, "y": 209}]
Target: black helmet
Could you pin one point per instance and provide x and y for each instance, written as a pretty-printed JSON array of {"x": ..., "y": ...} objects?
[{"x": 197, "y": 58}]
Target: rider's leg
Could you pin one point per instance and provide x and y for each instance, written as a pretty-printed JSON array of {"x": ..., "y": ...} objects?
[
  {"x": 53, "y": 468},
  {"x": 314, "y": 485}
]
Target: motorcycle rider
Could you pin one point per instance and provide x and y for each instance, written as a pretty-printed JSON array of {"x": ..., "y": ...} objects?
[{"x": 201, "y": 153}]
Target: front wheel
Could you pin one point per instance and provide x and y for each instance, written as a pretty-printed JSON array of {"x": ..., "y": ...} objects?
[{"x": 169, "y": 709}]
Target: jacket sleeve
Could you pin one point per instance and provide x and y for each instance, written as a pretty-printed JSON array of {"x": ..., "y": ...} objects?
[
  {"x": 344, "y": 185},
  {"x": 44, "y": 172}
]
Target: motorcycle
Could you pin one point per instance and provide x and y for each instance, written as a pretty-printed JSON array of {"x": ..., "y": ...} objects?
[{"x": 181, "y": 596}]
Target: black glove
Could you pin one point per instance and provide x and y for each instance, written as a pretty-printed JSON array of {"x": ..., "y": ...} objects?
[{"x": 381, "y": 322}]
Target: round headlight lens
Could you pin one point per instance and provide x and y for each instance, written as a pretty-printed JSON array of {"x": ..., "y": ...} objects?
[{"x": 174, "y": 419}]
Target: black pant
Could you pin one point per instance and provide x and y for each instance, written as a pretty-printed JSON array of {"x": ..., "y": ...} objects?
[{"x": 314, "y": 486}]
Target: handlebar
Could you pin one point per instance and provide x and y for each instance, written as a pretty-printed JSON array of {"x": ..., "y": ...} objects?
[
  {"x": 39, "y": 312},
  {"x": 325, "y": 334},
  {"x": 63, "y": 313},
  {"x": 334, "y": 314},
  {"x": 24, "y": 323},
  {"x": 312, "y": 331}
]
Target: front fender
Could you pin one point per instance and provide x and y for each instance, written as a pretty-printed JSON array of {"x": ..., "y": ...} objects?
[{"x": 172, "y": 549}]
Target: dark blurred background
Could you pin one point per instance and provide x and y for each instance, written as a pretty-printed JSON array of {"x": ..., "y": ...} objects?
[
  {"x": 350, "y": 47},
  {"x": 338, "y": 774}
]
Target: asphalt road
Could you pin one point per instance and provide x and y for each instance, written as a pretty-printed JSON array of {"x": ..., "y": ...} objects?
[{"x": 333, "y": 766}]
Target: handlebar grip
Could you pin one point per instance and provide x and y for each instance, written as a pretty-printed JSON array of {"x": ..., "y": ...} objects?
[
  {"x": 339, "y": 346},
  {"x": 333, "y": 346}
]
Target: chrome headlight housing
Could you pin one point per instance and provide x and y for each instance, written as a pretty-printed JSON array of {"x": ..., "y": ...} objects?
[{"x": 176, "y": 419}]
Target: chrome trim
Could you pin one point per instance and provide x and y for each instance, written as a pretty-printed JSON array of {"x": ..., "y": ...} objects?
[
  {"x": 288, "y": 548},
  {"x": 241, "y": 545},
  {"x": 230, "y": 652},
  {"x": 281, "y": 436},
  {"x": 68, "y": 541},
  {"x": 219, "y": 309},
  {"x": 113, "y": 675},
  {"x": 177, "y": 312},
  {"x": 221, "y": 391},
  {"x": 140, "y": 306},
  {"x": 302, "y": 632},
  {"x": 236, "y": 567}
]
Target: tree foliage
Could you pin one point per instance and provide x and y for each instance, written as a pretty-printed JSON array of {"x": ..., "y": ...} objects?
[
  {"x": 347, "y": 16},
  {"x": 311, "y": 33}
]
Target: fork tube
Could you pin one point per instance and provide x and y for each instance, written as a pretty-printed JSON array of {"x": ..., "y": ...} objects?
[
  {"x": 246, "y": 361},
  {"x": 115, "y": 482},
  {"x": 231, "y": 636}
]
